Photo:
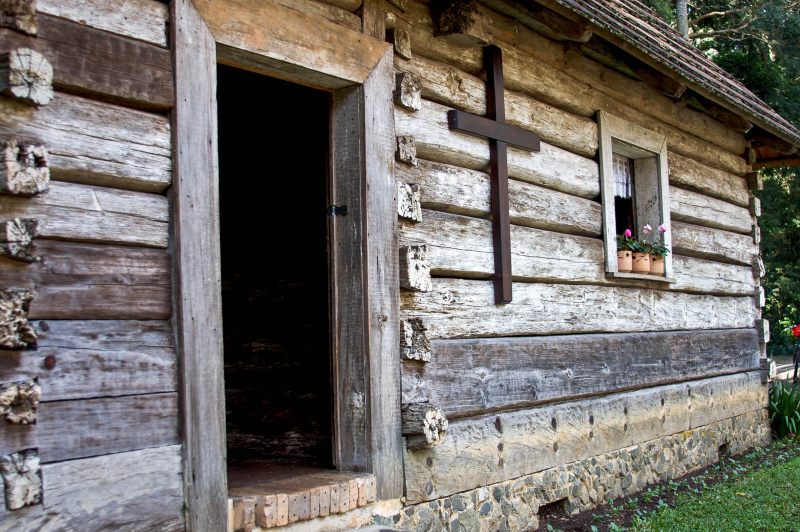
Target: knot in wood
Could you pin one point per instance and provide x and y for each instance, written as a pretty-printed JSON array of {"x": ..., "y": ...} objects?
[
  {"x": 19, "y": 401},
  {"x": 24, "y": 170},
  {"x": 26, "y": 75},
  {"x": 15, "y": 331}
]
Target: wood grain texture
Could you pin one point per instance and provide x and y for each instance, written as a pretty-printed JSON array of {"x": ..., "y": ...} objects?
[
  {"x": 457, "y": 308},
  {"x": 543, "y": 69},
  {"x": 293, "y": 44},
  {"x": 85, "y": 213},
  {"x": 688, "y": 173},
  {"x": 351, "y": 321},
  {"x": 713, "y": 244},
  {"x": 101, "y": 358},
  {"x": 509, "y": 445},
  {"x": 327, "y": 10},
  {"x": 449, "y": 86},
  {"x": 81, "y": 281},
  {"x": 552, "y": 167},
  {"x": 93, "y": 142},
  {"x": 145, "y": 20},
  {"x": 462, "y": 191},
  {"x": 383, "y": 281},
  {"x": 138, "y": 490},
  {"x": 66, "y": 430},
  {"x": 94, "y": 62},
  {"x": 468, "y": 377},
  {"x": 460, "y": 246},
  {"x": 691, "y": 207},
  {"x": 197, "y": 276}
]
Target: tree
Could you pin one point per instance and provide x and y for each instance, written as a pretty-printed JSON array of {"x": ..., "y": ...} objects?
[{"x": 758, "y": 42}]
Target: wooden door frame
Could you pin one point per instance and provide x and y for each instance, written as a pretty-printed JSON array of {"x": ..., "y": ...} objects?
[{"x": 358, "y": 73}]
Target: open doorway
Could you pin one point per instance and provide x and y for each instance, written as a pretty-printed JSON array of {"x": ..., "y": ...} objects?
[{"x": 273, "y": 178}]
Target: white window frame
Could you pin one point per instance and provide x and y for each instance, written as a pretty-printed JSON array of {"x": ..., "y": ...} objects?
[{"x": 648, "y": 150}]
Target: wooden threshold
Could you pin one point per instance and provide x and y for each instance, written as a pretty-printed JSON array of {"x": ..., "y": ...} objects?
[{"x": 269, "y": 495}]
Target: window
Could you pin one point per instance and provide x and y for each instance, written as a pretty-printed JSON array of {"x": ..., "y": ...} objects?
[{"x": 634, "y": 187}]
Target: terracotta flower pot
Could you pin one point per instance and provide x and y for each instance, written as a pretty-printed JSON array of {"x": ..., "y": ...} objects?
[
  {"x": 656, "y": 265},
  {"x": 641, "y": 262},
  {"x": 624, "y": 261}
]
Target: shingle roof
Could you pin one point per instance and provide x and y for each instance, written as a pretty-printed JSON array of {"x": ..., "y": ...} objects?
[{"x": 635, "y": 24}]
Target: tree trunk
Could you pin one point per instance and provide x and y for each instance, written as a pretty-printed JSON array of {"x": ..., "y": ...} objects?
[{"x": 682, "y": 14}]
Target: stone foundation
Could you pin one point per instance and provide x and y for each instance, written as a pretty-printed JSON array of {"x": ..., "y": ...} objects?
[{"x": 513, "y": 505}]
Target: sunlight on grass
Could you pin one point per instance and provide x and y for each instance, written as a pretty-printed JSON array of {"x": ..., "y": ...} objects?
[{"x": 766, "y": 500}]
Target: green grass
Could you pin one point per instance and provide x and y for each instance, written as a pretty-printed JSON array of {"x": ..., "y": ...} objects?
[{"x": 767, "y": 499}]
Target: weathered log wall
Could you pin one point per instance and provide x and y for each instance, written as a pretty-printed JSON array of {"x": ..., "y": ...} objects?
[
  {"x": 570, "y": 332},
  {"x": 107, "y": 430}
]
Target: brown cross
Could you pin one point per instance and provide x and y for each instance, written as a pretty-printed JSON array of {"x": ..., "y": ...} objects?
[{"x": 500, "y": 135}]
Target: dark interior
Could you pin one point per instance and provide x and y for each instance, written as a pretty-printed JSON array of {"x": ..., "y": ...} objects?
[{"x": 273, "y": 159}]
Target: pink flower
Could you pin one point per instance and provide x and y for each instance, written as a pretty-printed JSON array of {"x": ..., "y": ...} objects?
[
  {"x": 662, "y": 228},
  {"x": 628, "y": 233},
  {"x": 647, "y": 228}
]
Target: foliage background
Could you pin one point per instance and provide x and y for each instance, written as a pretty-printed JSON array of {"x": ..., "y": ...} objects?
[{"x": 758, "y": 41}]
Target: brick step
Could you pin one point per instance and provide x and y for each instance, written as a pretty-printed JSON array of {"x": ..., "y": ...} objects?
[{"x": 267, "y": 495}]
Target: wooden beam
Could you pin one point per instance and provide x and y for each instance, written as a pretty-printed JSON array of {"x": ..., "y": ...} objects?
[
  {"x": 717, "y": 112},
  {"x": 471, "y": 377},
  {"x": 543, "y": 20},
  {"x": 487, "y": 128},
  {"x": 461, "y": 246},
  {"x": 145, "y": 20},
  {"x": 373, "y": 18},
  {"x": 758, "y": 137},
  {"x": 196, "y": 248},
  {"x": 82, "y": 281},
  {"x": 529, "y": 440},
  {"x": 106, "y": 145},
  {"x": 94, "y": 62},
  {"x": 268, "y": 37},
  {"x": 108, "y": 492},
  {"x": 84, "y": 213},
  {"x": 552, "y": 167},
  {"x": 458, "y": 90},
  {"x": 462, "y": 308},
  {"x": 382, "y": 274},
  {"x": 103, "y": 358},
  {"x": 66, "y": 430}
]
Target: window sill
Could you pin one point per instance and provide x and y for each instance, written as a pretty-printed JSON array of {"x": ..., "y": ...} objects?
[{"x": 641, "y": 277}]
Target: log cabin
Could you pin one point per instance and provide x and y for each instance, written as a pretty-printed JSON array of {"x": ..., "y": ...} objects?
[{"x": 445, "y": 339}]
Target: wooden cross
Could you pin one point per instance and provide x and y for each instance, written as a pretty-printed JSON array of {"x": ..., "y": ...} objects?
[{"x": 500, "y": 136}]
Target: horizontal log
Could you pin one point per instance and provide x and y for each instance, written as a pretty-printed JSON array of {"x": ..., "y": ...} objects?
[
  {"x": 66, "y": 430},
  {"x": 462, "y": 191},
  {"x": 83, "y": 281},
  {"x": 695, "y": 208},
  {"x": 105, "y": 358},
  {"x": 713, "y": 244},
  {"x": 347, "y": 5},
  {"x": 85, "y": 213},
  {"x": 126, "y": 491},
  {"x": 145, "y": 20},
  {"x": 278, "y": 40},
  {"x": 457, "y": 308},
  {"x": 343, "y": 15},
  {"x": 93, "y": 142},
  {"x": 467, "y": 377},
  {"x": 691, "y": 174},
  {"x": 551, "y": 167},
  {"x": 448, "y": 86},
  {"x": 510, "y": 445},
  {"x": 459, "y": 246},
  {"x": 97, "y": 63},
  {"x": 542, "y": 68}
]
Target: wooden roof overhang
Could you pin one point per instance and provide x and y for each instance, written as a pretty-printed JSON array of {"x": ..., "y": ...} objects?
[{"x": 626, "y": 35}]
